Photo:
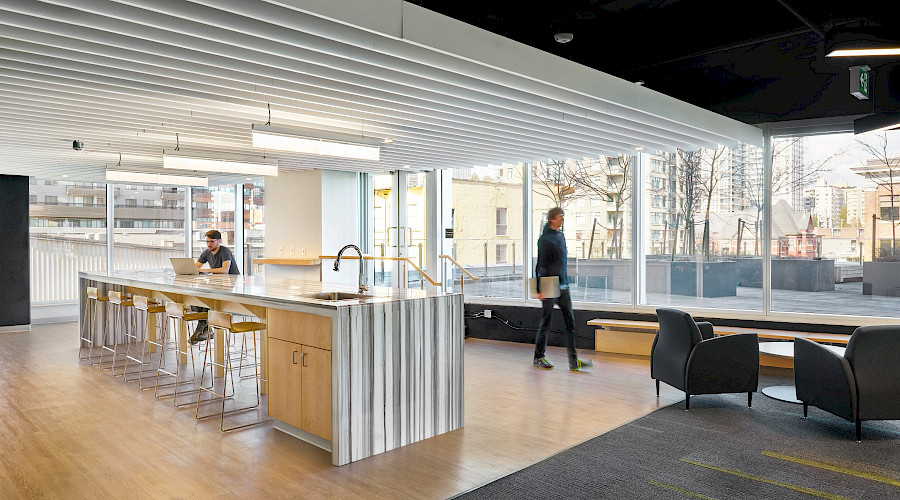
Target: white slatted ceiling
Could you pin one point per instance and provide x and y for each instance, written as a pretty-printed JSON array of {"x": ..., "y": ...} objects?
[{"x": 125, "y": 77}]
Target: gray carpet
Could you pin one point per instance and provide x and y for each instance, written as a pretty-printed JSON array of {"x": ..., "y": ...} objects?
[{"x": 720, "y": 449}]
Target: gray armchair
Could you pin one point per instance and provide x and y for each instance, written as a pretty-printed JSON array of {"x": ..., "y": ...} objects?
[
  {"x": 860, "y": 385},
  {"x": 688, "y": 356}
]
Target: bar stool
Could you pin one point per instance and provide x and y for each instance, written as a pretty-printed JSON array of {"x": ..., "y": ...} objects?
[
  {"x": 150, "y": 336},
  {"x": 223, "y": 327},
  {"x": 89, "y": 322},
  {"x": 119, "y": 317},
  {"x": 177, "y": 315}
]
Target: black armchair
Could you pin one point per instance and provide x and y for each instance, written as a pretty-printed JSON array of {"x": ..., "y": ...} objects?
[
  {"x": 860, "y": 385},
  {"x": 688, "y": 356}
]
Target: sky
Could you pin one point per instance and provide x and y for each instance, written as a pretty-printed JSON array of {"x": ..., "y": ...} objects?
[{"x": 820, "y": 147}]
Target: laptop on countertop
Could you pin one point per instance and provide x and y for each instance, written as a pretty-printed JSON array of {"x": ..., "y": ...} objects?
[{"x": 184, "y": 265}]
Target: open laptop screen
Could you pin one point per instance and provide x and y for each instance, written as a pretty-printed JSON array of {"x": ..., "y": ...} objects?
[{"x": 184, "y": 265}]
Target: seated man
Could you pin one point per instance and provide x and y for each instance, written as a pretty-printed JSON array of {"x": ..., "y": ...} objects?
[{"x": 221, "y": 261}]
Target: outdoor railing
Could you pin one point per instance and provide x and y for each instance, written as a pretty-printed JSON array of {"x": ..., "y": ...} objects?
[
  {"x": 56, "y": 262},
  {"x": 462, "y": 281}
]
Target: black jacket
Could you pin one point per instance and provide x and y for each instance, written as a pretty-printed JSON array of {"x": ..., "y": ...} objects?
[{"x": 552, "y": 256}]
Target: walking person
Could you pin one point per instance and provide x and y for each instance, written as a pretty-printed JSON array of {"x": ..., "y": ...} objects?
[{"x": 551, "y": 261}]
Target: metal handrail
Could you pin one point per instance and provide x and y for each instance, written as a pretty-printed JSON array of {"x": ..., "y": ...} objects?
[{"x": 462, "y": 281}]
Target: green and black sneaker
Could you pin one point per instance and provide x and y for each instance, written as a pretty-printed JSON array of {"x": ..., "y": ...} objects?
[
  {"x": 581, "y": 363},
  {"x": 543, "y": 363}
]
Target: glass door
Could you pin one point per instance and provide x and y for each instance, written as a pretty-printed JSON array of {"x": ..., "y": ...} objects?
[{"x": 399, "y": 220}]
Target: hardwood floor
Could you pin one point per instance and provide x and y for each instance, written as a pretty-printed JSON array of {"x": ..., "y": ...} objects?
[{"x": 68, "y": 430}]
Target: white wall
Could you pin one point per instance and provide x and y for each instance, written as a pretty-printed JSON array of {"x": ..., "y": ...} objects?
[
  {"x": 340, "y": 224},
  {"x": 316, "y": 210},
  {"x": 294, "y": 220}
]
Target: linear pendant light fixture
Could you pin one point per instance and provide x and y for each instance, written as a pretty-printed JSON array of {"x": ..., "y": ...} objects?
[
  {"x": 316, "y": 142},
  {"x": 151, "y": 178},
  {"x": 180, "y": 161},
  {"x": 860, "y": 42}
]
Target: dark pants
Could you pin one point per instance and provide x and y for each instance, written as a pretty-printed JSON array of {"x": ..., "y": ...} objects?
[{"x": 540, "y": 340}]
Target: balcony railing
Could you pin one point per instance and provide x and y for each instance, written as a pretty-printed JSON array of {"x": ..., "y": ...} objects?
[{"x": 56, "y": 261}]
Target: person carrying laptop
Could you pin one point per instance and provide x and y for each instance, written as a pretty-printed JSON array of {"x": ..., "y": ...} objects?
[
  {"x": 221, "y": 261},
  {"x": 551, "y": 261}
]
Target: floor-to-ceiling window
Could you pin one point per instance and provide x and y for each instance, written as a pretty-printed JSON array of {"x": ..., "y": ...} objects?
[
  {"x": 487, "y": 229},
  {"x": 835, "y": 235},
  {"x": 68, "y": 234},
  {"x": 149, "y": 226},
  {"x": 703, "y": 214},
  {"x": 595, "y": 194},
  {"x": 212, "y": 208},
  {"x": 254, "y": 226}
]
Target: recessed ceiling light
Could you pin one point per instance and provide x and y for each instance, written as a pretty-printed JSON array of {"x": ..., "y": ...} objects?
[
  {"x": 639, "y": 148},
  {"x": 65, "y": 175},
  {"x": 388, "y": 141}
]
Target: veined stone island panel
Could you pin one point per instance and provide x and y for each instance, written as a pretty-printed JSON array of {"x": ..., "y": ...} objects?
[{"x": 398, "y": 374}]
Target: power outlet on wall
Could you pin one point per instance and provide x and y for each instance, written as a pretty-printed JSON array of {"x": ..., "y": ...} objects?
[
  {"x": 292, "y": 250},
  {"x": 281, "y": 250},
  {"x": 487, "y": 313},
  {"x": 303, "y": 251}
]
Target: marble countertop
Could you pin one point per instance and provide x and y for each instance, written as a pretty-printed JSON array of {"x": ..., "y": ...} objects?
[{"x": 254, "y": 288}]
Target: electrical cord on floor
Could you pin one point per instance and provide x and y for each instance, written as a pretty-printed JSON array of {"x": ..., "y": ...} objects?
[{"x": 518, "y": 326}]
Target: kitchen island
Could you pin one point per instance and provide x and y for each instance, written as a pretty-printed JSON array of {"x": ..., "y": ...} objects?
[{"x": 374, "y": 372}]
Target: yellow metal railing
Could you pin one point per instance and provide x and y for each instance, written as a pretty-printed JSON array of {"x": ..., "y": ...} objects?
[
  {"x": 398, "y": 259},
  {"x": 462, "y": 280}
]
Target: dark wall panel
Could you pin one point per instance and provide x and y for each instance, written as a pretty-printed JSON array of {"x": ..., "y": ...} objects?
[
  {"x": 15, "y": 301},
  {"x": 519, "y": 323}
]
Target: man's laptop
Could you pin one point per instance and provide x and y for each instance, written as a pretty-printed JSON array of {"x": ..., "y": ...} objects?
[{"x": 184, "y": 265}]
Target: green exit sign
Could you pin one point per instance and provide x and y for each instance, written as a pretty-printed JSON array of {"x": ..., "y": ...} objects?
[{"x": 859, "y": 82}]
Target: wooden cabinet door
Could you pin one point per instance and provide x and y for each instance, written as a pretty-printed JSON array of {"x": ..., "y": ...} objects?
[
  {"x": 302, "y": 328},
  {"x": 316, "y": 389},
  {"x": 285, "y": 374}
]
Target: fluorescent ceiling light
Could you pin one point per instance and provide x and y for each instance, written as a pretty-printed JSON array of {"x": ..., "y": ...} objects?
[
  {"x": 316, "y": 142},
  {"x": 879, "y": 122},
  {"x": 151, "y": 178},
  {"x": 858, "y": 42},
  {"x": 218, "y": 165},
  {"x": 864, "y": 52}
]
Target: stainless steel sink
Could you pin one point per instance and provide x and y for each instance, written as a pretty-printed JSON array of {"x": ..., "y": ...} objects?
[{"x": 335, "y": 296}]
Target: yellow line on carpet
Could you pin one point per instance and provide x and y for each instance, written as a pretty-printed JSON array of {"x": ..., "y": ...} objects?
[
  {"x": 680, "y": 490},
  {"x": 801, "y": 489},
  {"x": 835, "y": 468}
]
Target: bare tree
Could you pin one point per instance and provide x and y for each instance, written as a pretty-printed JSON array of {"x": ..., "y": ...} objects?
[
  {"x": 713, "y": 167},
  {"x": 555, "y": 181},
  {"x": 884, "y": 176},
  {"x": 611, "y": 182},
  {"x": 784, "y": 179},
  {"x": 688, "y": 191}
]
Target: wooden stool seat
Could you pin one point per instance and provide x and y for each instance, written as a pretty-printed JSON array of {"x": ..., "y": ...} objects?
[{"x": 247, "y": 326}]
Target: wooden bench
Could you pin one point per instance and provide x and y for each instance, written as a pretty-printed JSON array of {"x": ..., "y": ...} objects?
[{"x": 636, "y": 337}]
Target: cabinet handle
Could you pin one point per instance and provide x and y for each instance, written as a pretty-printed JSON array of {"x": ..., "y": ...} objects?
[
  {"x": 294, "y": 357},
  {"x": 303, "y": 358}
]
